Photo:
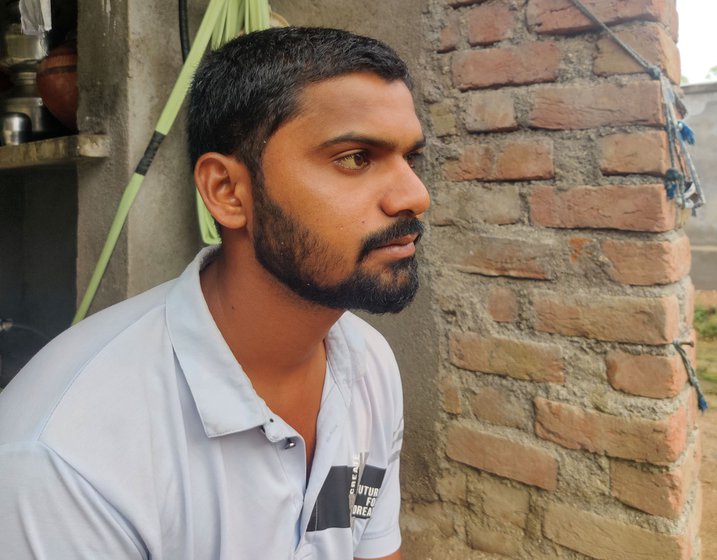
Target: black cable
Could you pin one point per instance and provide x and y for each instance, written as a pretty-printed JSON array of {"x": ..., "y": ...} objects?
[{"x": 184, "y": 29}]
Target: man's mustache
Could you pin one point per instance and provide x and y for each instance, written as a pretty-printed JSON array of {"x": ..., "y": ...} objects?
[{"x": 401, "y": 228}]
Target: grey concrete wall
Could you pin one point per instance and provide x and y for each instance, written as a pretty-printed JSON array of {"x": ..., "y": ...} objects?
[
  {"x": 701, "y": 102},
  {"x": 102, "y": 80},
  {"x": 163, "y": 232}
]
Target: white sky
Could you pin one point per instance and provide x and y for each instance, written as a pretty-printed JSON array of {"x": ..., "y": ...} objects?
[{"x": 698, "y": 38}]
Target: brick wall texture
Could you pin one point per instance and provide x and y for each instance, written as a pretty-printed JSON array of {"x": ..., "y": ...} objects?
[{"x": 560, "y": 273}]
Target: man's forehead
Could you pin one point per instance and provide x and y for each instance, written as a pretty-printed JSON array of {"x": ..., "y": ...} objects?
[
  {"x": 362, "y": 85},
  {"x": 359, "y": 103}
]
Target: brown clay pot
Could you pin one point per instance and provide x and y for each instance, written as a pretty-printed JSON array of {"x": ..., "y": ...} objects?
[{"x": 57, "y": 83}]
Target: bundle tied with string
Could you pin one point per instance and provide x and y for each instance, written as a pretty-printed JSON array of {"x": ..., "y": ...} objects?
[{"x": 682, "y": 182}]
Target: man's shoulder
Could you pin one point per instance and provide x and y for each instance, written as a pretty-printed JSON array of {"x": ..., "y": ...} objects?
[{"x": 60, "y": 367}]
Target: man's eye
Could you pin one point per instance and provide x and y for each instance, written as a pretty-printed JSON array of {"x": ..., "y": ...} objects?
[
  {"x": 354, "y": 162},
  {"x": 412, "y": 159}
]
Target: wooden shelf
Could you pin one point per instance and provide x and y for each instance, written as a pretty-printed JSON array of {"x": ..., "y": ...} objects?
[{"x": 55, "y": 151}]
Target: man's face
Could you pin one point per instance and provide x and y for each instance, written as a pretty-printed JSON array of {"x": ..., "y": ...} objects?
[{"x": 336, "y": 217}]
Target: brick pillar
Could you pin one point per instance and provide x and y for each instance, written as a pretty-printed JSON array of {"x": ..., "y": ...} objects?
[{"x": 560, "y": 273}]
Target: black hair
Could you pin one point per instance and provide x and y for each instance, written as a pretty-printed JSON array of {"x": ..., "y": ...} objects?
[{"x": 243, "y": 91}]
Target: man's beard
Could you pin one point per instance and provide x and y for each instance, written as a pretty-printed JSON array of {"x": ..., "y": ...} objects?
[{"x": 296, "y": 257}]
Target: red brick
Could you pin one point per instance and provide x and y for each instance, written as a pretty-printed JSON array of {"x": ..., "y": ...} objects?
[
  {"x": 580, "y": 246},
  {"x": 450, "y": 34},
  {"x": 490, "y": 23},
  {"x": 461, "y": 204},
  {"x": 490, "y": 111},
  {"x": 657, "y": 377},
  {"x": 526, "y": 160},
  {"x": 502, "y": 256},
  {"x": 475, "y": 162},
  {"x": 645, "y": 263},
  {"x": 520, "y": 359},
  {"x": 649, "y": 41},
  {"x": 605, "y": 538},
  {"x": 450, "y": 396},
  {"x": 500, "y": 407},
  {"x": 628, "y": 207},
  {"x": 504, "y": 457},
  {"x": 659, "y": 442},
  {"x": 520, "y": 161},
  {"x": 640, "y": 152},
  {"x": 524, "y": 64},
  {"x": 503, "y": 304},
  {"x": 561, "y": 16},
  {"x": 594, "y": 105},
  {"x": 640, "y": 320},
  {"x": 654, "y": 492}
]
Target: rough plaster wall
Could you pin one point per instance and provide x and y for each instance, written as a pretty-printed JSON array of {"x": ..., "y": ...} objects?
[
  {"x": 103, "y": 68},
  {"x": 124, "y": 99},
  {"x": 163, "y": 232}
]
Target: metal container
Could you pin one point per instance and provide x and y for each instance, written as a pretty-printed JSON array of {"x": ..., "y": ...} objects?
[
  {"x": 18, "y": 48},
  {"x": 16, "y": 129},
  {"x": 44, "y": 125},
  {"x": 24, "y": 98}
]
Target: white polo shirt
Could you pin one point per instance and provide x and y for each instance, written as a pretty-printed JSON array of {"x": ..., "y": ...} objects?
[{"x": 136, "y": 434}]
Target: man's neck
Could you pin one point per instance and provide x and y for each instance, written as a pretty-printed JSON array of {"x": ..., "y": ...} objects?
[{"x": 276, "y": 336}]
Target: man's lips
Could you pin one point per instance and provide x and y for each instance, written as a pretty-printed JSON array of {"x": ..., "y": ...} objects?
[
  {"x": 399, "y": 248},
  {"x": 401, "y": 241},
  {"x": 396, "y": 241}
]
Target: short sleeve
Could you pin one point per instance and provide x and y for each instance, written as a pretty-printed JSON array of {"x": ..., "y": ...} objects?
[{"x": 49, "y": 511}]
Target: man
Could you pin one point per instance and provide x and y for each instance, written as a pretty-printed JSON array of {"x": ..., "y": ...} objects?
[{"x": 238, "y": 412}]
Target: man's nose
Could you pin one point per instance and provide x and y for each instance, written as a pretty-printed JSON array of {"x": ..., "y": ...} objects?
[{"x": 406, "y": 193}]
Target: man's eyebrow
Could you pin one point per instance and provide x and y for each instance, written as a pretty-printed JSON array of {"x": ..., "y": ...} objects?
[{"x": 368, "y": 141}]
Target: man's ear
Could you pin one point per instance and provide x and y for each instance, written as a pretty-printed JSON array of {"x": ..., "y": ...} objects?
[{"x": 224, "y": 184}]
